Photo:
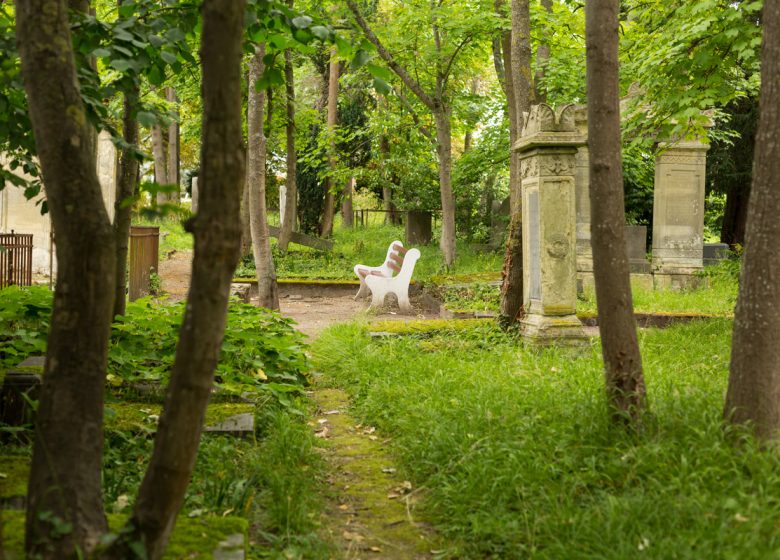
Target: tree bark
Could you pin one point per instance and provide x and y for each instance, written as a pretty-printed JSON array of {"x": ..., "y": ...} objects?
[
  {"x": 173, "y": 147},
  {"x": 290, "y": 209},
  {"x": 754, "y": 376},
  {"x": 160, "y": 161},
  {"x": 620, "y": 348},
  {"x": 246, "y": 227},
  {"x": 329, "y": 208},
  {"x": 517, "y": 64},
  {"x": 734, "y": 225},
  {"x": 542, "y": 57},
  {"x": 267, "y": 287},
  {"x": 346, "y": 204},
  {"x": 216, "y": 230},
  {"x": 126, "y": 188},
  {"x": 65, "y": 475}
]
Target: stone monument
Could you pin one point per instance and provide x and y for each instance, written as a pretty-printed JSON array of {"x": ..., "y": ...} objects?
[
  {"x": 547, "y": 149},
  {"x": 678, "y": 214},
  {"x": 582, "y": 189}
]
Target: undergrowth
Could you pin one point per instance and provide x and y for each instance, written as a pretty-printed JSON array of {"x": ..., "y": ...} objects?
[{"x": 517, "y": 459}]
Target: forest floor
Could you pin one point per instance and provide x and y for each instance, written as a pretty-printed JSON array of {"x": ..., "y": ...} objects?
[{"x": 370, "y": 510}]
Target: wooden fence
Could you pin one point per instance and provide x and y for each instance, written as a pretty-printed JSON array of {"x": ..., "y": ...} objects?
[{"x": 16, "y": 251}]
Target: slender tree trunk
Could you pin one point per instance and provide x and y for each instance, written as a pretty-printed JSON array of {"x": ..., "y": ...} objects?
[
  {"x": 754, "y": 381},
  {"x": 267, "y": 288},
  {"x": 216, "y": 230},
  {"x": 160, "y": 161},
  {"x": 246, "y": 228},
  {"x": 620, "y": 349},
  {"x": 333, "y": 98},
  {"x": 346, "y": 205},
  {"x": 65, "y": 475},
  {"x": 173, "y": 147},
  {"x": 290, "y": 208},
  {"x": 734, "y": 225},
  {"x": 126, "y": 187},
  {"x": 517, "y": 64},
  {"x": 542, "y": 57},
  {"x": 444, "y": 151}
]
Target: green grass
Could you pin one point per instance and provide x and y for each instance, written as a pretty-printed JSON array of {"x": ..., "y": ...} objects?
[
  {"x": 172, "y": 234},
  {"x": 514, "y": 450}
]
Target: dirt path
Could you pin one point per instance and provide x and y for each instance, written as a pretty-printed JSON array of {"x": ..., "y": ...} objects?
[{"x": 370, "y": 511}]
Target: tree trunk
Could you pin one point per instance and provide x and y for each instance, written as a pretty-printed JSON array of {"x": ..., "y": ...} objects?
[
  {"x": 732, "y": 230},
  {"x": 620, "y": 349},
  {"x": 754, "y": 381},
  {"x": 517, "y": 65},
  {"x": 346, "y": 205},
  {"x": 216, "y": 230},
  {"x": 160, "y": 161},
  {"x": 329, "y": 209},
  {"x": 246, "y": 227},
  {"x": 173, "y": 147},
  {"x": 444, "y": 151},
  {"x": 65, "y": 475},
  {"x": 290, "y": 210},
  {"x": 126, "y": 188},
  {"x": 542, "y": 57},
  {"x": 267, "y": 288}
]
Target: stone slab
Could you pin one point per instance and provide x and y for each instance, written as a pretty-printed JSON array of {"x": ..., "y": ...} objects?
[
  {"x": 232, "y": 548},
  {"x": 240, "y": 425}
]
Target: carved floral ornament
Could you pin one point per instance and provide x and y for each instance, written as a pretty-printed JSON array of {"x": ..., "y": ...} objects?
[
  {"x": 543, "y": 118},
  {"x": 547, "y": 165}
]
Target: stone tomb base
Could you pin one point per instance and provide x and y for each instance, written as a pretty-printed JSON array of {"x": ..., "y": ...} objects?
[{"x": 549, "y": 330}]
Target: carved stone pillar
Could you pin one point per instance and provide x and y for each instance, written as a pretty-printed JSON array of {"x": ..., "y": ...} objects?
[
  {"x": 678, "y": 214},
  {"x": 547, "y": 149}
]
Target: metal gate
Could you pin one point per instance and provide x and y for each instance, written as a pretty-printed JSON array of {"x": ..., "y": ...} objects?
[{"x": 16, "y": 251}]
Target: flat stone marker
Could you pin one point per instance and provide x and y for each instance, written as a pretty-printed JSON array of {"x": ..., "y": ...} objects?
[
  {"x": 240, "y": 425},
  {"x": 232, "y": 548}
]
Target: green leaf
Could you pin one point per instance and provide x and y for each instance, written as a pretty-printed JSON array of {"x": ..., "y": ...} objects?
[
  {"x": 361, "y": 57},
  {"x": 122, "y": 64},
  {"x": 302, "y": 22},
  {"x": 101, "y": 53},
  {"x": 321, "y": 32},
  {"x": 379, "y": 71},
  {"x": 169, "y": 57},
  {"x": 147, "y": 119},
  {"x": 156, "y": 75},
  {"x": 382, "y": 86}
]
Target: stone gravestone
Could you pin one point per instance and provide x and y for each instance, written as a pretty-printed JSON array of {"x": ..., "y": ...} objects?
[
  {"x": 715, "y": 252},
  {"x": 678, "y": 214},
  {"x": 194, "y": 195},
  {"x": 636, "y": 242},
  {"x": 582, "y": 189},
  {"x": 419, "y": 230},
  {"x": 547, "y": 149}
]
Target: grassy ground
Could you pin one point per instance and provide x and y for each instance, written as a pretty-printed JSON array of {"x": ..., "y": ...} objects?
[{"x": 513, "y": 446}]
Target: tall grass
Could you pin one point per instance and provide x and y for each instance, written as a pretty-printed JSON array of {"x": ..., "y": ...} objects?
[{"x": 514, "y": 450}]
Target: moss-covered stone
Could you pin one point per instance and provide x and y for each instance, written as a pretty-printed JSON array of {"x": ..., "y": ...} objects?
[
  {"x": 14, "y": 472},
  {"x": 193, "y": 539},
  {"x": 141, "y": 417},
  {"x": 427, "y": 326}
]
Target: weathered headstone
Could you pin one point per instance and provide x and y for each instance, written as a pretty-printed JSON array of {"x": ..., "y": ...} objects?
[
  {"x": 547, "y": 149},
  {"x": 678, "y": 214},
  {"x": 582, "y": 189},
  {"x": 715, "y": 252},
  {"x": 636, "y": 244},
  {"x": 419, "y": 230}
]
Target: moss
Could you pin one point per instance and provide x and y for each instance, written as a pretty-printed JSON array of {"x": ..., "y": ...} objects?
[
  {"x": 193, "y": 539},
  {"x": 304, "y": 281},
  {"x": 14, "y": 472},
  {"x": 475, "y": 277},
  {"x": 427, "y": 326},
  {"x": 139, "y": 417}
]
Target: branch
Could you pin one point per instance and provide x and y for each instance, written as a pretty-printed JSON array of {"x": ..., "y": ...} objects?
[
  {"x": 447, "y": 70},
  {"x": 424, "y": 130},
  {"x": 388, "y": 58}
]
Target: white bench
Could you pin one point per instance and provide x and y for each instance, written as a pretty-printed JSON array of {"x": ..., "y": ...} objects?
[
  {"x": 393, "y": 260},
  {"x": 380, "y": 286}
]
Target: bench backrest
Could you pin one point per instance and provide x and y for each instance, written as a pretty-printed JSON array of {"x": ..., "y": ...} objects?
[
  {"x": 407, "y": 267},
  {"x": 395, "y": 256}
]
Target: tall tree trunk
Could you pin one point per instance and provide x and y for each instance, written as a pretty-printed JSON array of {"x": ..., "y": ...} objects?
[
  {"x": 126, "y": 186},
  {"x": 542, "y": 57},
  {"x": 160, "y": 161},
  {"x": 173, "y": 147},
  {"x": 329, "y": 209},
  {"x": 387, "y": 191},
  {"x": 290, "y": 209},
  {"x": 620, "y": 349},
  {"x": 65, "y": 475},
  {"x": 754, "y": 380},
  {"x": 444, "y": 151},
  {"x": 267, "y": 287},
  {"x": 517, "y": 65},
  {"x": 346, "y": 204},
  {"x": 246, "y": 228},
  {"x": 216, "y": 230}
]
